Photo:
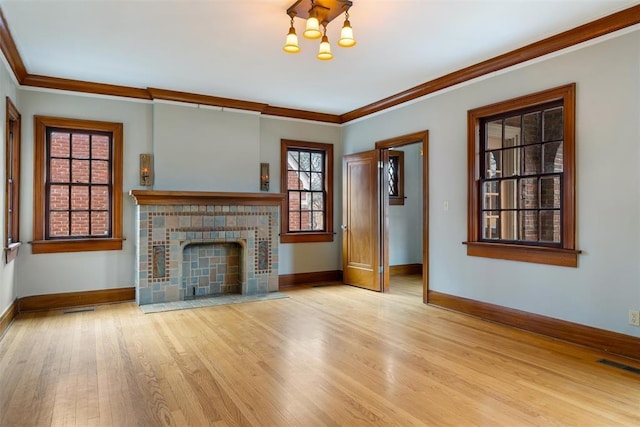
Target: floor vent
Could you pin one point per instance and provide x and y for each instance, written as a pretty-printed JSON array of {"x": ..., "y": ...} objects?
[
  {"x": 78, "y": 310},
  {"x": 619, "y": 366}
]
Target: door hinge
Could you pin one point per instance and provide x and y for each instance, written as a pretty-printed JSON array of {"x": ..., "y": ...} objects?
[
  {"x": 380, "y": 164},
  {"x": 380, "y": 269}
]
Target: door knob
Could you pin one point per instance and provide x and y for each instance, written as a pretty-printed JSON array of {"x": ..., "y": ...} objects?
[{"x": 344, "y": 227}]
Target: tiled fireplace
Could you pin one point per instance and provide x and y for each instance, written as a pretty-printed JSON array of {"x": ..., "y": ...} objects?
[{"x": 192, "y": 244}]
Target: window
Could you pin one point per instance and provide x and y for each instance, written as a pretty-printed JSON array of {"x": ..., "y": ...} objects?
[
  {"x": 521, "y": 179},
  {"x": 12, "y": 183},
  {"x": 307, "y": 178},
  {"x": 78, "y": 185},
  {"x": 396, "y": 177}
]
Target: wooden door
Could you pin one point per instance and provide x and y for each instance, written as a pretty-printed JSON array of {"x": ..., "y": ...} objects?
[{"x": 360, "y": 221}]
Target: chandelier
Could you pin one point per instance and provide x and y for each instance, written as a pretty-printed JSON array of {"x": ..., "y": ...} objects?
[{"x": 319, "y": 13}]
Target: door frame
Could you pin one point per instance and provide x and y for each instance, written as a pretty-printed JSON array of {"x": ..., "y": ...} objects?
[{"x": 383, "y": 146}]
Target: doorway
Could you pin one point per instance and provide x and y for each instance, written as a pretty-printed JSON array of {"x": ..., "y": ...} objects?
[
  {"x": 365, "y": 228},
  {"x": 404, "y": 249}
]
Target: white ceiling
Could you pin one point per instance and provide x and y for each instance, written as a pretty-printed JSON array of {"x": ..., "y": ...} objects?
[{"x": 233, "y": 48}]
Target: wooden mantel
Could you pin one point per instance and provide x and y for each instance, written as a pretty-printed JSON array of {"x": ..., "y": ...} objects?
[{"x": 153, "y": 197}]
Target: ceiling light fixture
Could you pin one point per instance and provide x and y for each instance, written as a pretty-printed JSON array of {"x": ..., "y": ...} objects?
[{"x": 319, "y": 13}]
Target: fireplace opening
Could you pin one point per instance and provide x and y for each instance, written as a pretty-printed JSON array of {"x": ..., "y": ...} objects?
[{"x": 212, "y": 269}]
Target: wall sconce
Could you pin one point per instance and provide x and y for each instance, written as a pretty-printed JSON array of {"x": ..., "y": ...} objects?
[
  {"x": 264, "y": 176},
  {"x": 146, "y": 169}
]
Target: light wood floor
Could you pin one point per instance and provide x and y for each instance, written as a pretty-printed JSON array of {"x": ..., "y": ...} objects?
[{"x": 329, "y": 355}]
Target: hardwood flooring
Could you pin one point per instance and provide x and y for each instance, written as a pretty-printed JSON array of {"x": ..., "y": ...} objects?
[{"x": 328, "y": 355}]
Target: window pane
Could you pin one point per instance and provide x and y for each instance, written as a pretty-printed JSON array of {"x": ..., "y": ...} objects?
[
  {"x": 553, "y": 157},
  {"x": 509, "y": 225},
  {"x": 294, "y": 221},
  {"x": 490, "y": 225},
  {"x": 59, "y": 170},
  {"x": 99, "y": 172},
  {"x": 79, "y": 197},
  {"x": 550, "y": 226},
  {"x": 305, "y": 161},
  {"x": 512, "y": 133},
  {"x": 99, "y": 197},
  {"x": 490, "y": 195},
  {"x": 531, "y": 125},
  {"x": 100, "y": 147},
  {"x": 509, "y": 194},
  {"x": 304, "y": 180},
  {"x": 293, "y": 160},
  {"x": 318, "y": 221},
  {"x": 529, "y": 193},
  {"x": 529, "y": 226},
  {"x": 294, "y": 201},
  {"x": 79, "y": 223},
  {"x": 59, "y": 197},
  {"x": 493, "y": 132},
  {"x": 60, "y": 144},
  {"x": 511, "y": 162},
  {"x": 531, "y": 160},
  {"x": 553, "y": 124},
  {"x": 317, "y": 162},
  {"x": 393, "y": 175},
  {"x": 305, "y": 221},
  {"x": 493, "y": 164},
  {"x": 305, "y": 201},
  {"x": 99, "y": 224},
  {"x": 317, "y": 183},
  {"x": 293, "y": 183},
  {"x": 58, "y": 223},
  {"x": 80, "y": 171},
  {"x": 80, "y": 146},
  {"x": 550, "y": 192},
  {"x": 318, "y": 201}
]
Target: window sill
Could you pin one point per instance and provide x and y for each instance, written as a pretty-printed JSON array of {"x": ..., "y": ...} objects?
[
  {"x": 76, "y": 245},
  {"x": 536, "y": 254},
  {"x": 310, "y": 237},
  {"x": 11, "y": 251}
]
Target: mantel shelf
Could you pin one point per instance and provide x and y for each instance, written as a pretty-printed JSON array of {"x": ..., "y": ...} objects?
[{"x": 153, "y": 197}]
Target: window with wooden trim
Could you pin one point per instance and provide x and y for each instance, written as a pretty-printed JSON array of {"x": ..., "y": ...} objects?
[
  {"x": 77, "y": 186},
  {"x": 521, "y": 179},
  {"x": 12, "y": 182},
  {"x": 307, "y": 179},
  {"x": 396, "y": 177}
]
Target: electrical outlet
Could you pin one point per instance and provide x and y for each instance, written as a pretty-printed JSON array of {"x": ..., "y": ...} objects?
[{"x": 634, "y": 317}]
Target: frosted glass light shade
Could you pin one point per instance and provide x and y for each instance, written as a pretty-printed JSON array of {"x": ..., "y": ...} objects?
[
  {"x": 325, "y": 50},
  {"x": 346, "y": 35},
  {"x": 312, "y": 31},
  {"x": 291, "y": 45}
]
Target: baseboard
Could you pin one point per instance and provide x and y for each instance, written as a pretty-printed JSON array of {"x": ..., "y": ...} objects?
[
  {"x": 396, "y": 270},
  {"x": 289, "y": 280},
  {"x": 598, "y": 339},
  {"x": 75, "y": 299},
  {"x": 7, "y": 317}
]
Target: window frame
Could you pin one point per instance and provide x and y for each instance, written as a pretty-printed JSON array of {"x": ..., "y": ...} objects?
[
  {"x": 40, "y": 243},
  {"x": 306, "y": 236},
  {"x": 13, "y": 144},
  {"x": 399, "y": 198},
  {"x": 564, "y": 254}
]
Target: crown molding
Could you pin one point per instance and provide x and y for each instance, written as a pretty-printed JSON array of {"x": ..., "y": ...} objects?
[
  {"x": 86, "y": 87},
  {"x": 600, "y": 27},
  {"x": 583, "y": 33},
  {"x": 10, "y": 50}
]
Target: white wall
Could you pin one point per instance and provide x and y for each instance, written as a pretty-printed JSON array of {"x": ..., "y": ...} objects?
[
  {"x": 80, "y": 271},
  {"x": 405, "y": 221},
  {"x": 606, "y": 283},
  {"x": 305, "y": 257},
  {"x": 8, "y": 273},
  {"x": 202, "y": 149}
]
